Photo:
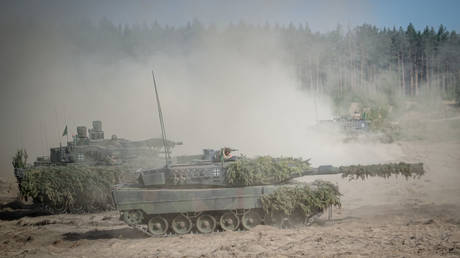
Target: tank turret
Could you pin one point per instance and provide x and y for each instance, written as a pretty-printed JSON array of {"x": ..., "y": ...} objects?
[
  {"x": 207, "y": 170},
  {"x": 89, "y": 147}
]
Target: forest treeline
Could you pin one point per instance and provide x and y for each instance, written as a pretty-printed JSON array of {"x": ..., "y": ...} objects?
[{"x": 402, "y": 61}]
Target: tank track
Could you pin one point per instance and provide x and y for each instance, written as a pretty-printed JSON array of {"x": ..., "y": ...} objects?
[
  {"x": 241, "y": 215},
  {"x": 185, "y": 223}
]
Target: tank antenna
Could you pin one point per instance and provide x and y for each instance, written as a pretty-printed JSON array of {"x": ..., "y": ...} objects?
[{"x": 160, "y": 114}]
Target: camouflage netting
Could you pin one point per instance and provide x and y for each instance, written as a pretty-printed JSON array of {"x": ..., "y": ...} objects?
[
  {"x": 20, "y": 159},
  {"x": 383, "y": 170},
  {"x": 302, "y": 200},
  {"x": 264, "y": 170},
  {"x": 70, "y": 188}
]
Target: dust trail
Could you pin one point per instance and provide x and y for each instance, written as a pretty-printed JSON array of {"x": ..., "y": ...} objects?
[{"x": 222, "y": 91}]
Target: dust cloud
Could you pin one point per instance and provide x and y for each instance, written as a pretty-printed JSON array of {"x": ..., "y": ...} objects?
[{"x": 240, "y": 93}]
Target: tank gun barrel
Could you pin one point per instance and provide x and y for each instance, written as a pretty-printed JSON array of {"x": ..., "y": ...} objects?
[
  {"x": 322, "y": 170},
  {"x": 365, "y": 171}
]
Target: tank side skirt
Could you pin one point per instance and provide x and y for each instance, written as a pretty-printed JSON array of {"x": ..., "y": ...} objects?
[{"x": 181, "y": 201}]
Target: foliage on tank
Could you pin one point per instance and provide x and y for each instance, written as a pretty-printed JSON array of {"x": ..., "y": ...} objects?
[
  {"x": 264, "y": 170},
  {"x": 382, "y": 170},
  {"x": 19, "y": 159},
  {"x": 70, "y": 188},
  {"x": 301, "y": 200}
]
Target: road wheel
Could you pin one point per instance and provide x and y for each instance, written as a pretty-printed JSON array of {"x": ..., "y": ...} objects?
[
  {"x": 133, "y": 217},
  {"x": 229, "y": 221},
  {"x": 181, "y": 224},
  {"x": 205, "y": 223},
  {"x": 157, "y": 225},
  {"x": 251, "y": 219}
]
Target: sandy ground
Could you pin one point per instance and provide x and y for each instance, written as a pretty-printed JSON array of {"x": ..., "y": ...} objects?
[{"x": 391, "y": 218}]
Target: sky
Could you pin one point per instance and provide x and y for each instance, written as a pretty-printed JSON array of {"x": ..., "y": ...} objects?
[{"x": 321, "y": 16}]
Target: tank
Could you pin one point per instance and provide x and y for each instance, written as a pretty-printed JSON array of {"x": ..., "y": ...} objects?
[
  {"x": 120, "y": 160},
  {"x": 354, "y": 121},
  {"x": 195, "y": 196}
]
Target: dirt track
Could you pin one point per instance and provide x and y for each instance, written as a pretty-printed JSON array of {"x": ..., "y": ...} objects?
[
  {"x": 433, "y": 231},
  {"x": 393, "y": 217}
]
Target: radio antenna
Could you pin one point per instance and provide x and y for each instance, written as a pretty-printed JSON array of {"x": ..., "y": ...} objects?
[{"x": 160, "y": 114}]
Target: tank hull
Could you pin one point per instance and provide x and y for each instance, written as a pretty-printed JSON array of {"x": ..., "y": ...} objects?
[
  {"x": 168, "y": 201},
  {"x": 158, "y": 211}
]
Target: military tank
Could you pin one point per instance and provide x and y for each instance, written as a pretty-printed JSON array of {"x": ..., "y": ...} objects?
[
  {"x": 197, "y": 195},
  {"x": 203, "y": 194},
  {"x": 78, "y": 177}
]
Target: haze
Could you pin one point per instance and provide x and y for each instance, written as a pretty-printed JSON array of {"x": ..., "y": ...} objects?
[{"x": 217, "y": 89}]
